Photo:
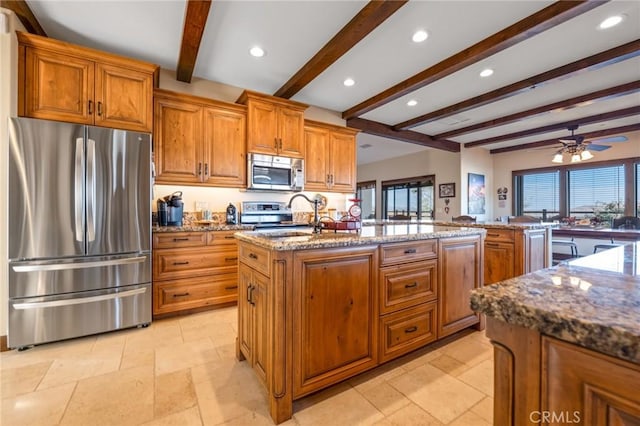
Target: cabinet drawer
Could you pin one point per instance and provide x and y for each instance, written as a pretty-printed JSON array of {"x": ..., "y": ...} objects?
[
  {"x": 179, "y": 239},
  {"x": 406, "y": 330},
  {"x": 407, "y": 285},
  {"x": 257, "y": 258},
  {"x": 172, "y": 296},
  {"x": 506, "y": 235},
  {"x": 407, "y": 252},
  {"x": 221, "y": 238},
  {"x": 189, "y": 262}
]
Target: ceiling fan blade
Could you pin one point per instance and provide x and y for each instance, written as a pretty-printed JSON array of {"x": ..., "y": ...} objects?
[
  {"x": 593, "y": 147},
  {"x": 610, "y": 139}
]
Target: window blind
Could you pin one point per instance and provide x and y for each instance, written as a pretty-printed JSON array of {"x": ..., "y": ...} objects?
[
  {"x": 541, "y": 191},
  {"x": 596, "y": 190}
]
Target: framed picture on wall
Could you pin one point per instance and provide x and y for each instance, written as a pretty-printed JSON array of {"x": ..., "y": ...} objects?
[
  {"x": 447, "y": 190},
  {"x": 476, "y": 194}
]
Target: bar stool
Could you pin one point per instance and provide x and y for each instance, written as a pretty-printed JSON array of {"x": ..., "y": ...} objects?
[{"x": 564, "y": 243}]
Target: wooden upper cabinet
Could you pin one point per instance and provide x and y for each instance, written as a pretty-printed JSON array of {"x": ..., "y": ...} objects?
[
  {"x": 330, "y": 157},
  {"x": 274, "y": 126},
  {"x": 177, "y": 140},
  {"x": 64, "y": 82},
  {"x": 199, "y": 141},
  {"x": 224, "y": 147}
]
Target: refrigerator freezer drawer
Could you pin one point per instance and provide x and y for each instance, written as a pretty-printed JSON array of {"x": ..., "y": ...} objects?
[
  {"x": 38, "y": 320},
  {"x": 45, "y": 278}
]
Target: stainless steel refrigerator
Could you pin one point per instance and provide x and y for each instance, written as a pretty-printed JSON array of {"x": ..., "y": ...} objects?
[{"x": 79, "y": 230}]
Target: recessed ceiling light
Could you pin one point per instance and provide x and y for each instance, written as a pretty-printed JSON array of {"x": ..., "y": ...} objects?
[
  {"x": 256, "y": 51},
  {"x": 349, "y": 82},
  {"x": 420, "y": 36},
  {"x": 486, "y": 72},
  {"x": 611, "y": 21},
  {"x": 412, "y": 102}
]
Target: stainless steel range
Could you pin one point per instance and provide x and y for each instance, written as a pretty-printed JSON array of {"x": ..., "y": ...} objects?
[{"x": 268, "y": 215}]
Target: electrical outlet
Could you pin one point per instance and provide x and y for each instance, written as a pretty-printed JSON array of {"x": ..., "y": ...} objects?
[{"x": 201, "y": 205}]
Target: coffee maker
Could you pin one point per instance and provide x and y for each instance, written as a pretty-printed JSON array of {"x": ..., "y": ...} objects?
[
  {"x": 170, "y": 209},
  {"x": 232, "y": 215}
]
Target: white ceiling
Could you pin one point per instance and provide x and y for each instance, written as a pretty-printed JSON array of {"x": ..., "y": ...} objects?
[{"x": 291, "y": 32}]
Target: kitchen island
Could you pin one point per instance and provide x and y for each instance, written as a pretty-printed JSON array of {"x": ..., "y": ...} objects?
[
  {"x": 567, "y": 341},
  {"x": 316, "y": 309}
]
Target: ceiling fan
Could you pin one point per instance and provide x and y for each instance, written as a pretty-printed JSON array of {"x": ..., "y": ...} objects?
[{"x": 579, "y": 149}]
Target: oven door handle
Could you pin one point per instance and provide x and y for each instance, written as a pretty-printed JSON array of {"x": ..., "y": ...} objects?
[
  {"x": 78, "y": 301},
  {"x": 78, "y": 265}
]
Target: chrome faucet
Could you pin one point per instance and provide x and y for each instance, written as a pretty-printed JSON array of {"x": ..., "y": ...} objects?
[{"x": 317, "y": 226}]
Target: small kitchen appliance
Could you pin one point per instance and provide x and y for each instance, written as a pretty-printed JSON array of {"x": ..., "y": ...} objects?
[
  {"x": 275, "y": 173},
  {"x": 232, "y": 215},
  {"x": 175, "y": 208}
]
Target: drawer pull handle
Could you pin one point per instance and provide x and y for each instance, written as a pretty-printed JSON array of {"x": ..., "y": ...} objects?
[
  {"x": 410, "y": 251},
  {"x": 229, "y": 259},
  {"x": 229, "y": 237},
  {"x": 411, "y": 329},
  {"x": 492, "y": 244},
  {"x": 180, "y": 239},
  {"x": 253, "y": 256},
  {"x": 414, "y": 284},
  {"x": 492, "y": 235},
  {"x": 231, "y": 287},
  {"x": 181, "y": 294},
  {"x": 180, "y": 263}
]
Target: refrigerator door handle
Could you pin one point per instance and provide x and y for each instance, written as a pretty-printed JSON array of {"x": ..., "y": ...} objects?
[
  {"x": 67, "y": 302},
  {"x": 78, "y": 190},
  {"x": 78, "y": 265},
  {"x": 91, "y": 189}
]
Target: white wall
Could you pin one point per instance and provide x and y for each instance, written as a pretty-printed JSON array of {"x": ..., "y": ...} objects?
[
  {"x": 8, "y": 108},
  {"x": 444, "y": 165}
]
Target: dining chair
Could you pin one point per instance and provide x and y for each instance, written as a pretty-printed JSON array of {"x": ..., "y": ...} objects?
[
  {"x": 463, "y": 218},
  {"x": 626, "y": 222},
  {"x": 524, "y": 219}
]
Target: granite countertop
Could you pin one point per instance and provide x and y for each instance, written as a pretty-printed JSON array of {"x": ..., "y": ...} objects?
[
  {"x": 484, "y": 225},
  {"x": 201, "y": 228},
  {"x": 592, "y": 301},
  {"x": 387, "y": 233}
]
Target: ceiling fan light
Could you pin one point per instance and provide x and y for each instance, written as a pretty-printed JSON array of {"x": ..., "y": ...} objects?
[
  {"x": 575, "y": 158},
  {"x": 557, "y": 158},
  {"x": 586, "y": 155}
]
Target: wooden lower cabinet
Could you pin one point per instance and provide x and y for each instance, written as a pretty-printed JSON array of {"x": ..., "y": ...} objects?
[
  {"x": 193, "y": 270},
  {"x": 499, "y": 263},
  {"x": 406, "y": 330},
  {"x": 543, "y": 380}
]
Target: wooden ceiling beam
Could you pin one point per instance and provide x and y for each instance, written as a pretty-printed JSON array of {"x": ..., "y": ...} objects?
[
  {"x": 26, "y": 16},
  {"x": 195, "y": 19},
  {"x": 368, "y": 19},
  {"x": 598, "y": 118},
  {"x": 524, "y": 29},
  {"x": 597, "y": 96},
  {"x": 549, "y": 142},
  {"x": 608, "y": 57},
  {"x": 386, "y": 131}
]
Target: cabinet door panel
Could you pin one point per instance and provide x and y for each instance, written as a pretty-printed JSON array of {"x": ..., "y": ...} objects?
[
  {"x": 290, "y": 132},
  {"x": 58, "y": 87},
  {"x": 262, "y": 128},
  {"x": 406, "y": 330},
  {"x": 245, "y": 311},
  {"x": 407, "y": 285},
  {"x": 499, "y": 262},
  {"x": 536, "y": 250},
  {"x": 225, "y": 148},
  {"x": 261, "y": 317},
  {"x": 316, "y": 159},
  {"x": 343, "y": 163},
  {"x": 123, "y": 98},
  {"x": 178, "y": 149},
  {"x": 187, "y": 262},
  {"x": 174, "y": 296}
]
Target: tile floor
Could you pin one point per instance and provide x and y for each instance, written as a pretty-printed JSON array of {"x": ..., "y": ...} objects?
[{"x": 183, "y": 371}]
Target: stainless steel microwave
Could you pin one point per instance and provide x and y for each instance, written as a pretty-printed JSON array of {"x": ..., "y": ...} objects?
[{"x": 277, "y": 173}]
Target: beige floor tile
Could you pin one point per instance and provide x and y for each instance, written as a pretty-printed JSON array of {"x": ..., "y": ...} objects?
[
  {"x": 441, "y": 395},
  {"x": 469, "y": 419},
  {"x": 46, "y": 352},
  {"x": 256, "y": 419},
  {"x": 134, "y": 356},
  {"x": 189, "y": 417},
  {"x": 185, "y": 355},
  {"x": 320, "y": 396},
  {"x": 220, "y": 334},
  {"x": 469, "y": 350},
  {"x": 345, "y": 408},
  {"x": 122, "y": 397},
  {"x": 36, "y": 408},
  {"x": 19, "y": 380},
  {"x": 74, "y": 367},
  {"x": 484, "y": 409},
  {"x": 419, "y": 358},
  {"x": 227, "y": 351},
  {"x": 480, "y": 377},
  {"x": 412, "y": 415},
  {"x": 373, "y": 378},
  {"x": 385, "y": 398},
  {"x": 174, "y": 392},
  {"x": 449, "y": 365}
]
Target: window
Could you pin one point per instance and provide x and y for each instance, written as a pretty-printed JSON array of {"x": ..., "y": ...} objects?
[
  {"x": 366, "y": 193},
  {"x": 638, "y": 189},
  {"x": 597, "y": 191},
  {"x": 412, "y": 198},
  {"x": 539, "y": 192}
]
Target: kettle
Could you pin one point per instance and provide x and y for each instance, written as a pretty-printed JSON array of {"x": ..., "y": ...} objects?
[
  {"x": 174, "y": 208},
  {"x": 232, "y": 215}
]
